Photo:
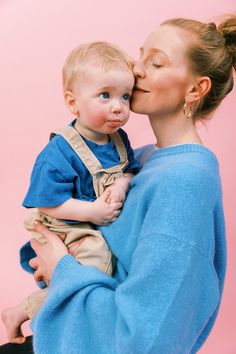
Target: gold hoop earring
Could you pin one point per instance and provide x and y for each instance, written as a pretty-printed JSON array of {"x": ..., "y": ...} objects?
[{"x": 187, "y": 111}]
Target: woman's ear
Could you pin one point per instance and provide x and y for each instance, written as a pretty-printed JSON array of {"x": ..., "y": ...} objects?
[
  {"x": 71, "y": 102},
  {"x": 199, "y": 90}
]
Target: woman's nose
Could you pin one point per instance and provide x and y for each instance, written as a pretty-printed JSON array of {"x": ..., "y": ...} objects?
[{"x": 138, "y": 69}]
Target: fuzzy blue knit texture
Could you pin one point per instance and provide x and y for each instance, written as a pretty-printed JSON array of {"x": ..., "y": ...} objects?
[{"x": 169, "y": 242}]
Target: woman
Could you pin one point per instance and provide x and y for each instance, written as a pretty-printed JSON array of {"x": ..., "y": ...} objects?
[{"x": 166, "y": 290}]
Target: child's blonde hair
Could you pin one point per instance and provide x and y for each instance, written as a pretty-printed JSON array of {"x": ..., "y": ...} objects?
[{"x": 100, "y": 55}]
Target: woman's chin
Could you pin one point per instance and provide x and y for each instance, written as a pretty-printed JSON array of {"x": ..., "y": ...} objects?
[{"x": 137, "y": 108}]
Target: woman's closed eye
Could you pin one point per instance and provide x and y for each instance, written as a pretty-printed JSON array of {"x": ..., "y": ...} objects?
[{"x": 156, "y": 65}]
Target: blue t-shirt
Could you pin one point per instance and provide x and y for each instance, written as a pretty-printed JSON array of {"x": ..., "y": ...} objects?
[{"x": 59, "y": 174}]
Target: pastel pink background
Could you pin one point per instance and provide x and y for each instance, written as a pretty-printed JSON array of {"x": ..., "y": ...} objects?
[{"x": 35, "y": 38}]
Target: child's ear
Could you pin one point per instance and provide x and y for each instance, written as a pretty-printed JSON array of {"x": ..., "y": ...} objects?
[
  {"x": 201, "y": 87},
  {"x": 71, "y": 102}
]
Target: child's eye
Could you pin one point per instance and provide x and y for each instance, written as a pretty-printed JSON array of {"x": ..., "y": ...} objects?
[
  {"x": 104, "y": 95},
  {"x": 126, "y": 97}
]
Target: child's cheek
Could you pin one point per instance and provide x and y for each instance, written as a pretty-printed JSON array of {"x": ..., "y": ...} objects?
[{"x": 98, "y": 116}]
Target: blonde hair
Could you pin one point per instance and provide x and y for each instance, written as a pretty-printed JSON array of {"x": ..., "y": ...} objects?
[
  {"x": 212, "y": 54},
  {"x": 100, "y": 55}
]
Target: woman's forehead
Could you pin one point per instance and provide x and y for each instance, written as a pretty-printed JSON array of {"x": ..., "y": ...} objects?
[
  {"x": 165, "y": 37},
  {"x": 168, "y": 43},
  {"x": 166, "y": 40}
]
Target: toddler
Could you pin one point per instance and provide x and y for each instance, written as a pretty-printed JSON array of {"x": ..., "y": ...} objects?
[{"x": 82, "y": 176}]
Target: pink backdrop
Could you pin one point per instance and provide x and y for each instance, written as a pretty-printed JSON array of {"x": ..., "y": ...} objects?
[{"x": 35, "y": 37}]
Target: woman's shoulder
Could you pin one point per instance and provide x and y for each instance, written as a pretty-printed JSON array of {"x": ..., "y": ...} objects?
[
  {"x": 192, "y": 167},
  {"x": 187, "y": 157},
  {"x": 142, "y": 153}
]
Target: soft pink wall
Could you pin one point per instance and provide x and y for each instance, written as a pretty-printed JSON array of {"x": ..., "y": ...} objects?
[{"x": 35, "y": 37}]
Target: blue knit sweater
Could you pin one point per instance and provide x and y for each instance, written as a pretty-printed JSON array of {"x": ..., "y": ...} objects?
[{"x": 170, "y": 246}]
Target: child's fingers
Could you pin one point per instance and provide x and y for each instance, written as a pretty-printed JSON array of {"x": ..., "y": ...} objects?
[
  {"x": 116, "y": 213},
  {"x": 114, "y": 219},
  {"x": 116, "y": 205},
  {"x": 106, "y": 195}
]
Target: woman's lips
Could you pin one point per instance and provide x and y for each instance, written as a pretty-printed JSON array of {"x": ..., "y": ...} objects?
[{"x": 138, "y": 89}]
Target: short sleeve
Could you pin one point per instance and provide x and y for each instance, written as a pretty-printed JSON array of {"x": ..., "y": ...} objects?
[{"x": 48, "y": 187}]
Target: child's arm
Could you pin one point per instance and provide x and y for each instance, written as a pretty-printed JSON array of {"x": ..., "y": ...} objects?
[
  {"x": 119, "y": 188},
  {"x": 99, "y": 212}
]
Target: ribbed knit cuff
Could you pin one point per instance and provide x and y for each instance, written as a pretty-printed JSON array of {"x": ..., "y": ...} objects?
[{"x": 65, "y": 265}]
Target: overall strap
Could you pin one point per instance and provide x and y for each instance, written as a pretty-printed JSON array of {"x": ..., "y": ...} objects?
[
  {"x": 102, "y": 177},
  {"x": 120, "y": 146},
  {"x": 74, "y": 139}
]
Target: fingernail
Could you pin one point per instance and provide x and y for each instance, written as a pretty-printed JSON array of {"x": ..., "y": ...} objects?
[{"x": 36, "y": 222}]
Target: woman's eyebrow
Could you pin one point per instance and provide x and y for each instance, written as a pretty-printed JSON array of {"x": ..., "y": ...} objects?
[
  {"x": 158, "y": 51},
  {"x": 154, "y": 50}
]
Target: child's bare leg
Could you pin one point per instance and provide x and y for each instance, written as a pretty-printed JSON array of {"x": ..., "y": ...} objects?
[{"x": 13, "y": 318}]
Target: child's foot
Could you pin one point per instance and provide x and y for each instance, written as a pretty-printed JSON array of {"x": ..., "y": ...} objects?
[{"x": 13, "y": 318}]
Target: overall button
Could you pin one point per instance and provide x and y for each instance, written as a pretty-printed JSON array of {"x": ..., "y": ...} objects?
[{"x": 98, "y": 174}]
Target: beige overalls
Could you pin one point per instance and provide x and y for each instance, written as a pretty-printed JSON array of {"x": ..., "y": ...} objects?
[{"x": 94, "y": 250}]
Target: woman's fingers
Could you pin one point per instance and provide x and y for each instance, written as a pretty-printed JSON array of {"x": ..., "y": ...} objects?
[
  {"x": 35, "y": 245},
  {"x": 34, "y": 262},
  {"x": 49, "y": 251},
  {"x": 43, "y": 230},
  {"x": 38, "y": 276}
]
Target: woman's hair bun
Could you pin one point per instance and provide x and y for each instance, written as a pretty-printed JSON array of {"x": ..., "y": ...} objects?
[{"x": 227, "y": 29}]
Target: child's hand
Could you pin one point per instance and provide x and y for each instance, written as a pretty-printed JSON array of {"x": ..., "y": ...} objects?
[
  {"x": 119, "y": 189},
  {"x": 118, "y": 193},
  {"x": 103, "y": 213}
]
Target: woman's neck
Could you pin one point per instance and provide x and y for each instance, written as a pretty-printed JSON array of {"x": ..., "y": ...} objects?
[{"x": 174, "y": 130}]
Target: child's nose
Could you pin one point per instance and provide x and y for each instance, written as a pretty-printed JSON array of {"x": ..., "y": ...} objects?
[{"x": 116, "y": 107}]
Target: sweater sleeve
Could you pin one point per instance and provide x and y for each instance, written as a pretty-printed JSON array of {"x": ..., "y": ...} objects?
[{"x": 168, "y": 298}]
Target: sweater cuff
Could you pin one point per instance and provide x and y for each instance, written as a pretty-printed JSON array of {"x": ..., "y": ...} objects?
[
  {"x": 65, "y": 265},
  {"x": 69, "y": 273}
]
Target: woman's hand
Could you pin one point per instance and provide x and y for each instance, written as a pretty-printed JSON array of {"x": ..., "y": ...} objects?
[{"x": 48, "y": 253}]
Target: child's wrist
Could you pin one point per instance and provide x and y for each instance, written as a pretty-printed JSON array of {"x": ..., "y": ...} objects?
[
  {"x": 88, "y": 211},
  {"x": 123, "y": 175}
]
